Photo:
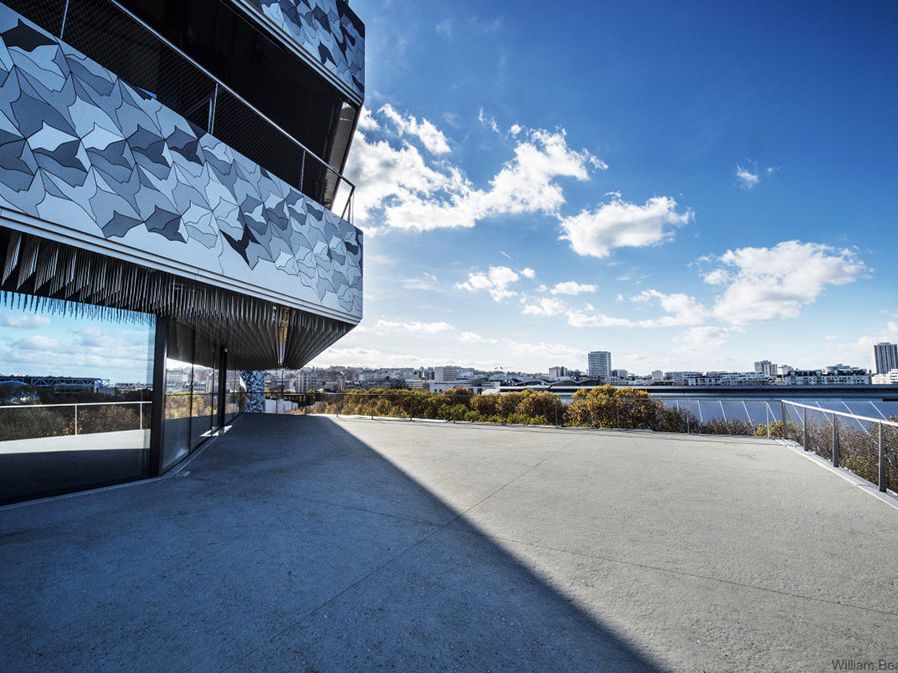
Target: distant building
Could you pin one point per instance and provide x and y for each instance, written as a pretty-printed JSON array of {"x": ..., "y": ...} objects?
[
  {"x": 303, "y": 381},
  {"x": 445, "y": 373},
  {"x": 727, "y": 379},
  {"x": 557, "y": 372},
  {"x": 886, "y": 356},
  {"x": 829, "y": 377},
  {"x": 599, "y": 364},
  {"x": 657, "y": 376},
  {"x": 889, "y": 378},
  {"x": 766, "y": 367},
  {"x": 680, "y": 378}
]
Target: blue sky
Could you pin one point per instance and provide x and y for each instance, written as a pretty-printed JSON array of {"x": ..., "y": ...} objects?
[
  {"x": 688, "y": 185},
  {"x": 53, "y": 344}
]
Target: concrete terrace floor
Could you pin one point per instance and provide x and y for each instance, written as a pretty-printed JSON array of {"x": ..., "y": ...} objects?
[{"x": 315, "y": 544}]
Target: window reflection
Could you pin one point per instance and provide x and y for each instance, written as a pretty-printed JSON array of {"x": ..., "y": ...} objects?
[{"x": 75, "y": 400}]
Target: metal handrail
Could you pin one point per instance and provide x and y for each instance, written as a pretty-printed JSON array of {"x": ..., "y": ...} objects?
[
  {"x": 219, "y": 83},
  {"x": 844, "y": 414},
  {"x": 75, "y": 405},
  {"x": 69, "y": 404}
]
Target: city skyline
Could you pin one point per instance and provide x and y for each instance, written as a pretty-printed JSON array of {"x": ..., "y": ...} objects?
[
  {"x": 523, "y": 213},
  {"x": 40, "y": 344}
]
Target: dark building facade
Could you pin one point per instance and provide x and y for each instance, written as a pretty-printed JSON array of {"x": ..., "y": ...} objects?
[{"x": 176, "y": 164}]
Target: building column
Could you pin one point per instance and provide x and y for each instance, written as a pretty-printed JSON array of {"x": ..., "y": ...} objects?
[
  {"x": 255, "y": 390},
  {"x": 157, "y": 411}
]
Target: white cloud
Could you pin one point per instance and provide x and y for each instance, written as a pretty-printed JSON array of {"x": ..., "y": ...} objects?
[
  {"x": 749, "y": 178},
  {"x": 620, "y": 224},
  {"x": 37, "y": 342},
  {"x": 544, "y": 306},
  {"x": 487, "y": 120},
  {"x": 704, "y": 341},
  {"x": 495, "y": 281},
  {"x": 681, "y": 309},
  {"x": 472, "y": 338},
  {"x": 774, "y": 283},
  {"x": 426, "y": 281},
  {"x": 527, "y": 272},
  {"x": 24, "y": 321},
  {"x": 746, "y": 178},
  {"x": 414, "y": 327},
  {"x": 542, "y": 349},
  {"x": 367, "y": 122},
  {"x": 430, "y": 136},
  {"x": 384, "y": 174},
  {"x": 398, "y": 187},
  {"x": 570, "y": 287},
  {"x": 582, "y": 319}
]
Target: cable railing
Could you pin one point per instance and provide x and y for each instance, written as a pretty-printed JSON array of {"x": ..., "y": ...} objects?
[
  {"x": 866, "y": 446},
  {"x": 40, "y": 421},
  {"x": 119, "y": 40}
]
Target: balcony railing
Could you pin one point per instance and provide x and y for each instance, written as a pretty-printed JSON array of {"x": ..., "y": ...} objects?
[
  {"x": 120, "y": 41},
  {"x": 34, "y": 421},
  {"x": 868, "y": 447}
]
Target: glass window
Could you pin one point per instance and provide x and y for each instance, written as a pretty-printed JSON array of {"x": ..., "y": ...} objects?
[
  {"x": 235, "y": 395},
  {"x": 178, "y": 387},
  {"x": 202, "y": 417},
  {"x": 75, "y": 400},
  {"x": 191, "y": 392}
]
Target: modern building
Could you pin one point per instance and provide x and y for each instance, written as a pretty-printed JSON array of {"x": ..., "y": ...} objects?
[
  {"x": 557, "y": 372},
  {"x": 889, "y": 378},
  {"x": 831, "y": 376},
  {"x": 885, "y": 355},
  {"x": 599, "y": 364},
  {"x": 445, "y": 373},
  {"x": 766, "y": 367},
  {"x": 176, "y": 164}
]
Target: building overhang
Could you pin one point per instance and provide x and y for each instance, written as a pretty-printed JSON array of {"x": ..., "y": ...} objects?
[{"x": 105, "y": 175}]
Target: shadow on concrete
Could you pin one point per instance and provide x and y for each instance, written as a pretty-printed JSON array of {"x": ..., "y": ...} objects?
[{"x": 290, "y": 546}]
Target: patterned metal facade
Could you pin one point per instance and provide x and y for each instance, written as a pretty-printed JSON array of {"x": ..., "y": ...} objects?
[
  {"x": 326, "y": 30},
  {"x": 88, "y": 155}
]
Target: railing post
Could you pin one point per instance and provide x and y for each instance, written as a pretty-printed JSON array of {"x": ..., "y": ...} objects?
[
  {"x": 76, "y": 419},
  {"x": 767, "y": 418},
  {"x": 882, "y": 462},
  {"x": 140, "y": 407},
  {"x": 213, "y": 104},
  {"x": 65, "y": 16},
  {"x": 804, "y": 423},
  {"x": 302, "y": 172},
  {"x": 835, "y": 441},
  {"x": 783, "y": 416}
]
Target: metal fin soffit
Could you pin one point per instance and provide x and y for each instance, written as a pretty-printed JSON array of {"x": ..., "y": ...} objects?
[{"x": 41, "y": 275}]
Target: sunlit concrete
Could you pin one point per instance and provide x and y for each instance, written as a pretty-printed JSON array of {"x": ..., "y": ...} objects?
[
  {"x": 93, "y": 441},
  {"x": 320, "y": 544}
]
